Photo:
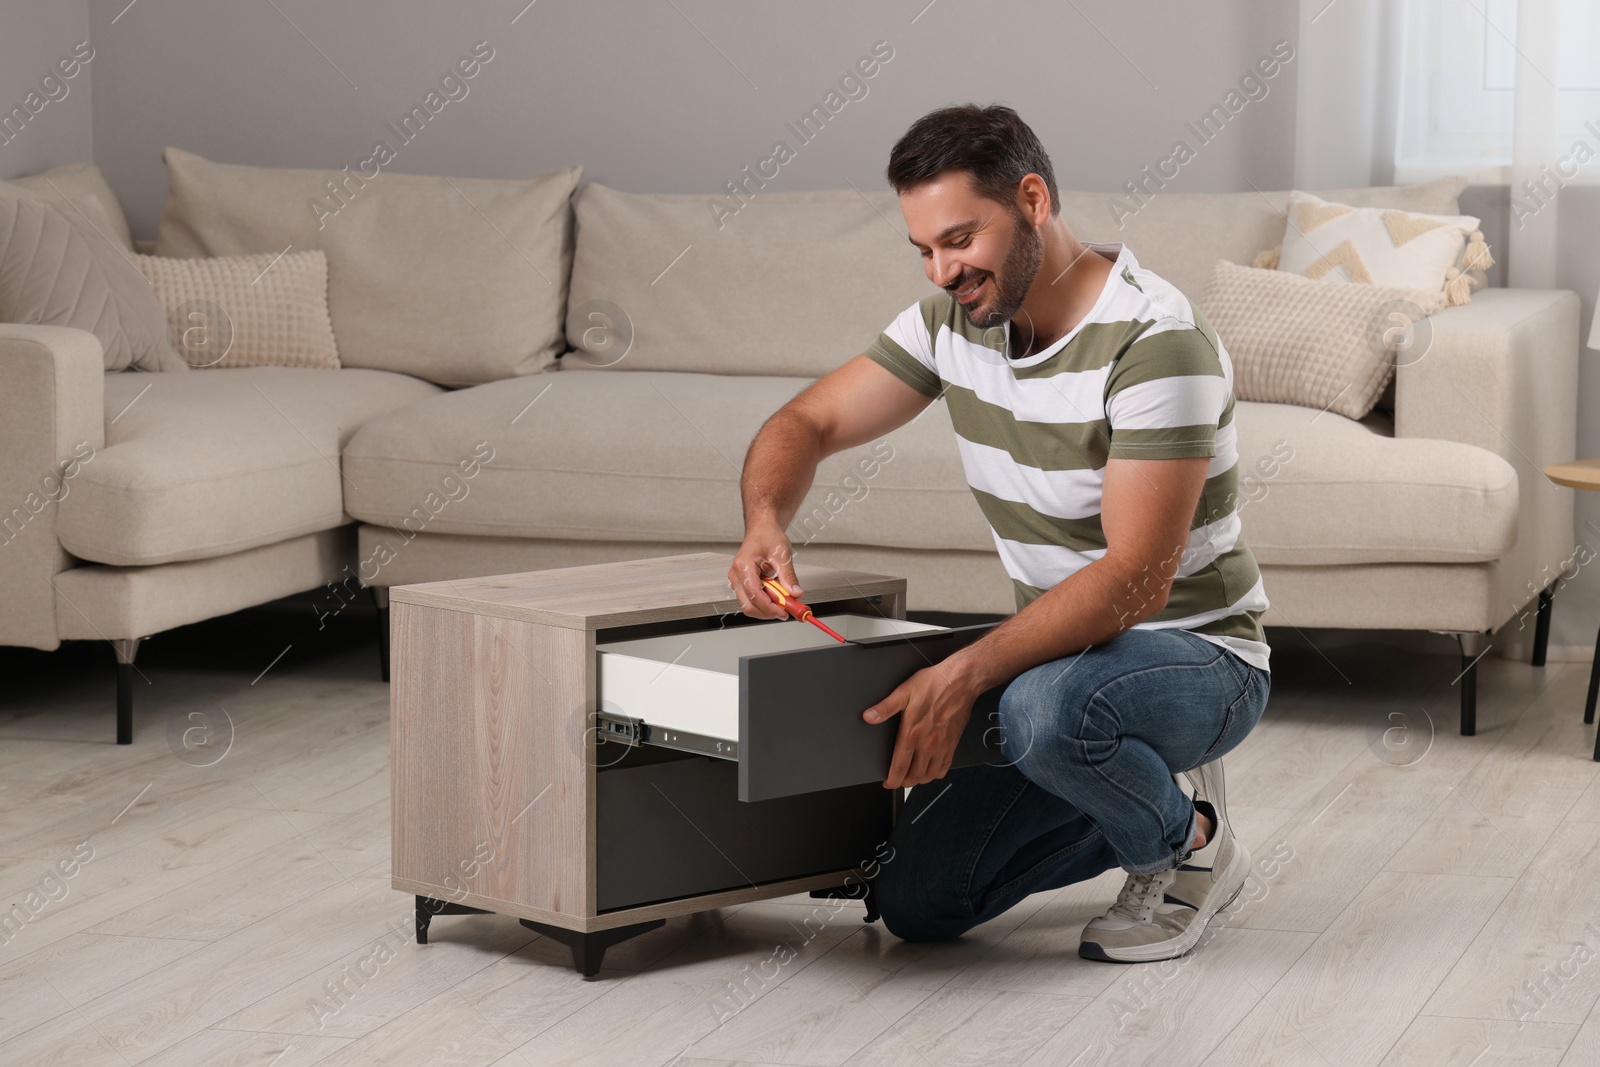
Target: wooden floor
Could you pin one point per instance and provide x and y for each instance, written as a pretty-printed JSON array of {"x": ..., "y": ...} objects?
[{"x": 1419, "y": 897}]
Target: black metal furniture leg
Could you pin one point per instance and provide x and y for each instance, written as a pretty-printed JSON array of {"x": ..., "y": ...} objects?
[
  {"x": 1473, "y": 645},
  {"x": 126, "y": 649},
  {"x": 1469, "y": 695},
  {"x": 1594, "y": 686},
  {"x": 1594, "y": 690},
  {"x": 428, "y": 907},
  {"x": 1541, "y": 627},
  {"x": 588, "y": 949},
  {"x": 866, "y": 891},
  {"x": 380, "y": 598}
]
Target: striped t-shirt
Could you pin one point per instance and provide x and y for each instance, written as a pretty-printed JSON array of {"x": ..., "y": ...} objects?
[{"x": 1143, "y": 376}]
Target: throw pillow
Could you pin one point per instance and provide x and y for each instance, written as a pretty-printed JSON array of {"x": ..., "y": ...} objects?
[
  {"x": 1336, "y": 242},
  {"x": 247, "y": 311},
  {"x": 58, "y": 269},
  {"x": 70, "y": 185},
  {"x": 458, "y": 281},
  {"x": 1293, "y": 340}
]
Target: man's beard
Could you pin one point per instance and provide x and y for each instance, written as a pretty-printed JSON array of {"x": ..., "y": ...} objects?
[{"x": 1011, "y": 284}]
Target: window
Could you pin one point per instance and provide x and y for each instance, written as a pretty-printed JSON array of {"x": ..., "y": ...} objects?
[{"x": 1458, "y": 68}]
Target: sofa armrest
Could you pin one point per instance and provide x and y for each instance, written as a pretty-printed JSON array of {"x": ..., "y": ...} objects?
[
  {"x": 52, "y": 421},
  {"x": 1502, "y": 373}
]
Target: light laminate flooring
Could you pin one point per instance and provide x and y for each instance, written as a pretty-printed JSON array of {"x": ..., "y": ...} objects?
[{"x": 1419, "y": 897}]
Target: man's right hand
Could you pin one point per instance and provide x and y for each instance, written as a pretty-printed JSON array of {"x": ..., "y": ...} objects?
[{"x": 766, "y": 553}]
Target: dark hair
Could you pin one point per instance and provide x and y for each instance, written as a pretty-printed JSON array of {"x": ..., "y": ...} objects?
[{"x": 991, "y": 143}]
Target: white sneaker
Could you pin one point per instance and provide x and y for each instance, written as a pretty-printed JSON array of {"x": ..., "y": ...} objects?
[{"x": 1160, "y": 916}]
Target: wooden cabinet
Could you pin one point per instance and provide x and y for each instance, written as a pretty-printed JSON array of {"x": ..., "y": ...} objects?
[{"x": 595, "y": 749}]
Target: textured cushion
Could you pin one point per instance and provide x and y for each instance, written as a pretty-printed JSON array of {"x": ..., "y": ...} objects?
[
  {"x": 1293, "y": 340},
  {"x": 640, "y": 457},
  {"x": 57, "y": 270},
  {"x": 795, "y": 284},
  {"x": 1338, "y": 243},
  {"x": 247, "y": 311},
  {"x": 203, "y": 464},
  {"x": 77, "y": 185},
  {"x": 1317, "y": 488},
  {"x": 1180, "y": 235},
  {"x": 458, "y": 281}
]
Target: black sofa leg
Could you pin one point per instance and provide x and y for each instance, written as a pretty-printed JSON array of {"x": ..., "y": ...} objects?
[
  {"x": 126, "y": 649},
  {"x": 1541, "y": 627},
  {"x": 1473, "y": 646},
  {"x": 380, "y": 597}
]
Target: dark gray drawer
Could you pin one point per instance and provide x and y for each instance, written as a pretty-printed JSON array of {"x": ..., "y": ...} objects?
[
  {"x": 672, "y": 826},
  {"x": 782, "y": 701}
]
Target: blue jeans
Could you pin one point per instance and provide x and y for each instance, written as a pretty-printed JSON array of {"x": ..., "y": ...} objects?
[{"x": 1090, "y": 743}]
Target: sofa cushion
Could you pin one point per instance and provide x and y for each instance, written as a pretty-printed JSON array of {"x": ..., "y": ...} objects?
[
  {"x": 457, "y": 281},
  {"x": 1319, "y": 489},
  {"x": 646, "y": 456},
  {"x": 793, "y": 285},
  {"x": 77, "y": 185},
  {"x": 653, "y": 456},
  {"x": 1180, "y": 235},
  {"x": 200, "y": 465},
  {"x": 57, "y": 269}
]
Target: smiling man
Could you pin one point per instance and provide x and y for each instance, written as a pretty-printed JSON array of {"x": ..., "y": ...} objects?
[{"x": 1093, "y": 407}]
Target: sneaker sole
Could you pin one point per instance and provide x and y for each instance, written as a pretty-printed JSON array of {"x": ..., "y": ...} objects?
[{"x": 1174, "y": 947}]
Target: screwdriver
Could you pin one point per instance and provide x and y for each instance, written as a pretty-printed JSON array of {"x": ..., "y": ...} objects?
[{"x": 787, "y": 601}]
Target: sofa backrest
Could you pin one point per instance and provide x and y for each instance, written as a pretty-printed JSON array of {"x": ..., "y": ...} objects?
[
  {"x": 1181, "y": 236},
  {"x": 454, "y": 280},
  {"x": 795, "y": 284}
]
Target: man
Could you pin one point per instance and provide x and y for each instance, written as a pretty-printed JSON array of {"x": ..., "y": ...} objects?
[{"x": 1093, "y": 407}]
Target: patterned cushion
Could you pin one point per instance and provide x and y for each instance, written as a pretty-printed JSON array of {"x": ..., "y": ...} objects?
[
  {"x": 247, "y": 311},
  {"x": 60, "y": 269},
  {"x": 1334, "y": 242},
  {"x": 1297, "y": 341}
]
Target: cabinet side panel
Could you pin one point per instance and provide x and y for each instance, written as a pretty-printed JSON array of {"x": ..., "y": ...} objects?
[
  {"x": 489, "y": 782},
  {"x": 531, "y": 724}
]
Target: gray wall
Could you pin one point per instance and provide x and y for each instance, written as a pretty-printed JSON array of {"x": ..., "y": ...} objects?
[
  {"x": 652, "y": 95},
  {"x": 34, "y": 35},
  {"x": 677, "y": 97}
]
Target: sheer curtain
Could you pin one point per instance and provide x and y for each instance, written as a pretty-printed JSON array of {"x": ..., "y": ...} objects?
[
  {"x": 1505, "y": 92},
  {"x": 1536, "y": 150}
]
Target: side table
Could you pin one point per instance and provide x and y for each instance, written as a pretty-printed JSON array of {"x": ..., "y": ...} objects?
[
  {"x": 1583, "y": 474},
  {"x": 596, "y": 749}
]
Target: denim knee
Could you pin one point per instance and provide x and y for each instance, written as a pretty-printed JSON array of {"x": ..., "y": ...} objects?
[{"x": 917, "y": 904}]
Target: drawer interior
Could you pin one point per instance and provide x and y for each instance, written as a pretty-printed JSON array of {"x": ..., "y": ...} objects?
[{"x": 688, "y": 683}]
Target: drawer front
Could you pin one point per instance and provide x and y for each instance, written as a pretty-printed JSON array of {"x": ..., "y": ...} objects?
[
  {"x": 675, "y": 828},
  {"x": 800, "y": 724}
]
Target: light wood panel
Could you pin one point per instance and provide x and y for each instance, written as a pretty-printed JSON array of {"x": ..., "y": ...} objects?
[
  {"x": 492, "y": 794},
  {"x": 629, "y": 592}
]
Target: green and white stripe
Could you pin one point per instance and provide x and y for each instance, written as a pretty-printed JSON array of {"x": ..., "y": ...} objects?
[{"x": 1144, "y": 376}]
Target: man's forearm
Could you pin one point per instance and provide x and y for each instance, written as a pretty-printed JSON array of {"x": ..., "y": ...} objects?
[
  {"x": 1091, "y": 607},
  {"x": 779, "y": 468}
]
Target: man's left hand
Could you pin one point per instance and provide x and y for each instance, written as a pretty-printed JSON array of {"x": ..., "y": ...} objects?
[{"x": 936, "y": 705}]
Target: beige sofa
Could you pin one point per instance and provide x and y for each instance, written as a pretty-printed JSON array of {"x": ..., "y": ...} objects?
[{"x": 210, "y": 491}]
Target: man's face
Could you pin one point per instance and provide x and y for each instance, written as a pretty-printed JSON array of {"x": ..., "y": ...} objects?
[{"x": 983, "y": 253}]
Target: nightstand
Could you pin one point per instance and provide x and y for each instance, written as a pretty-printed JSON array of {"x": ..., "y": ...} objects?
[{"x": 596, "y": 749}]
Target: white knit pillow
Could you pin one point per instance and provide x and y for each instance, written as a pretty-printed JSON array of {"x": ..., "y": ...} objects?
[
  {"x": 1380, "y": 246},
  {"x": 262, "y": 310},
  {"x": 1297, "y": 341}
]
